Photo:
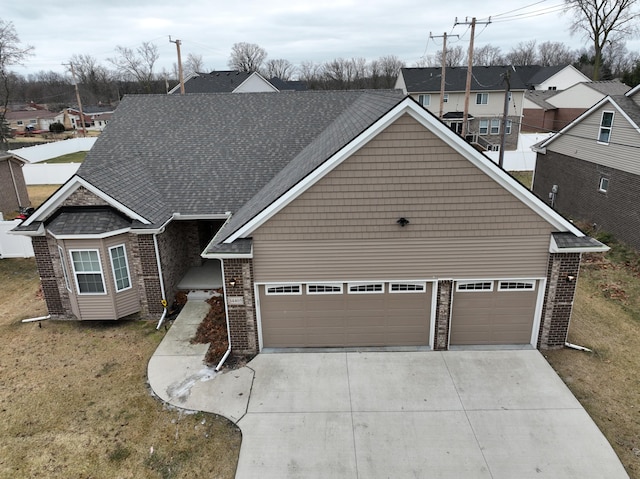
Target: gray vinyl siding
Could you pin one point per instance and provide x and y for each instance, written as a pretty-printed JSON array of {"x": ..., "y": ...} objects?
[
  {"x": 462, "y": 223},
  {"x": 581, "y": 142},
  {"x": 108, "y": 306}
]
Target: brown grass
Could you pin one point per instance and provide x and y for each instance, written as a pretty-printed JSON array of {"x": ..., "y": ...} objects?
[
  {"x": 606, "y": 319},
  {"x": 74, "y": 400}
]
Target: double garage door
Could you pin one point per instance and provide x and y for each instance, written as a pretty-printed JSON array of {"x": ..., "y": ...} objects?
[{"x": 394, "y": 314}]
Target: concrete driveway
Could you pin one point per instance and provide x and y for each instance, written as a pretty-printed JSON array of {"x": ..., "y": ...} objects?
[
  {"x": 455, "y": 414},
  {"x": 367, "y": 415}
]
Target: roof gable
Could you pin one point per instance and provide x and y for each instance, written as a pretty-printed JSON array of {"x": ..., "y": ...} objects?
[{"x": 252, "y": 216}]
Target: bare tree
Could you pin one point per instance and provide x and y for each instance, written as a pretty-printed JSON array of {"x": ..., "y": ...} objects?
[
  {"x": 455, "y": 56},
  {"x": 137, "y": 65},
  {"x": 389, "y": 67},
  {"x": 247, "y": 57},
  {"x": 280, "y": 68},
  {"x": 602, "y": 21},
  {"x": 194, "y": 64},
  {"x": 522, "y": 54},
  {"x": 310, "y": 73},
  {"x": 11, "y": 53},
  {"x": 93, "y": 78},
  {"x": 487, "y": 55},
  {"x": 555, "y": 53}
]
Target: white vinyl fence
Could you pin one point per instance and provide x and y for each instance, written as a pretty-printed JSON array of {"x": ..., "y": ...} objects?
[
  {"x": 35, "y": 154},
  {"x": 14, "y": 246},
  {"x": 49, "y": 173}
]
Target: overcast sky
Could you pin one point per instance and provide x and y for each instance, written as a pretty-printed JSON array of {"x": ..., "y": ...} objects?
[{"x": 296, "y": 31}]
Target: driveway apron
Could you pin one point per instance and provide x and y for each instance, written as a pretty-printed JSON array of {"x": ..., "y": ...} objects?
[{"x": 454, "y": 414}]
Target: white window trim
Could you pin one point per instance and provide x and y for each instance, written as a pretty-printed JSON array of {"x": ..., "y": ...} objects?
[
  {"x": 75, "y": 273},
  {"x": 483, "y": 130},
  {"x": 494, "y": 123},
  {"x": 325, "y": 285},
  {"x": 365, "y": 283},
  {"x": 422, "y": 285},
  {"x": 480, "y": 97},
  {"x": 531, "y": 285},
  {"x": 65, "y": 272},
  {"x": 113, "y": 270},
  {"x": 609, "y": 128},
  {"x": 423, "y": 96},
  {"x": 507, "y": 127},
  {"x": 445, "y": 98},
  {"x": 283, "y": 293},
  {"x": 465, "y": 283},
  {"x": 602, "y": 179}
]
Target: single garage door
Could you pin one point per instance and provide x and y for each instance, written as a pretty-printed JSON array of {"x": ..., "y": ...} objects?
[
  {"x": 493, "y": 312},
  {"x": 345, "y": 314}
]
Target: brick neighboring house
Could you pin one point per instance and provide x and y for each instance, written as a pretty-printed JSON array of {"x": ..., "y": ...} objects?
[
  {"x": 328, "y": 219},
  {"x": 590, "y": 170},
  {"x": 552, "y": 110},
  {"x": 13, "y": 189},
  {"x": 487, "y": 96}
]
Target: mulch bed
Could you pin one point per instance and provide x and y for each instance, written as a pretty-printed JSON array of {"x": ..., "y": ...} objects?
[{"x": 213, "y": 330}]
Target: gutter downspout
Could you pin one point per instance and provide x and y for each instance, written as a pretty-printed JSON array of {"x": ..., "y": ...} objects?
[
  {"x": 15, "y": 185},
  {"x": 164, "y": 297},
  {"x": 226, "y": 312}
]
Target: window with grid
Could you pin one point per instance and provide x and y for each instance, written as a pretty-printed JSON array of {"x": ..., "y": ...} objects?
[
  {"x": 482, "y": 98},
  {"x": 365, "y": 288},
  {"x": 120, "y": 267},
  {"x": 606, "y": 123},
  {"x": 407, "y": 287},
  {"x": 516, "y": 285},
  {"x": 87, "y": 271},
  {"x": 507, "y": 127},
  {"x": 495, "y": 126},
  {"x": 284, "y": 289},
  {"x": 324, "y": 288},
  {"x": 484, "y": 127},
  {"x": 474, "y": 286}
]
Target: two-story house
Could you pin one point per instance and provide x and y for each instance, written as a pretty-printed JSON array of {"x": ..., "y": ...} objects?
[
  {"x": 590, "y": 170},
  {"x": 486, "y": 99}
]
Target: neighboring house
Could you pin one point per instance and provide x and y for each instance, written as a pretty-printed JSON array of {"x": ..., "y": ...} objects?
[
  {"x": 590, "y": 170},
  {"x": 228, "y": 81},
  {"x": 487, "y": 96},
  {"x": 20, "y": 121},
  {"x": 288, "y": 85},
  {"x": 552, "y": 110},
  {"x": 13, "y": 189},
  {"x": 328, "y": 219}
]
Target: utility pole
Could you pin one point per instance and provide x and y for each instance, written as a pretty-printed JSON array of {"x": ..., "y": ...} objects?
[
  {"x": 503, "y": 138},
  {"x": 444, "y": 69},
  {"x": 467, "y": 90},
  {"x": 180, "y": 75},
  {"x": 73, "y": 74}
]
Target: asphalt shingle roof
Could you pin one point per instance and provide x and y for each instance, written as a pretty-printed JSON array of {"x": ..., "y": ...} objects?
[
  {"x": 484, "y": 78},
  {"x": 204, "y": 154},
  {"x": 215, "y": 82},
  {"x": 88, "y": 221}
]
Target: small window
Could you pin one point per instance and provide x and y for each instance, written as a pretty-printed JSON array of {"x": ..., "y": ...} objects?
[
  {"x": 484, "y": 127},
  {"x": 407, "y": 287},
  {"x": 20, "y": 122},
  {"x": 120, "y": 267},
  {"x": 365, "y": 288},
  {"x": 603, "y": 186},
  {"x": 605, "y": 127},
  {"x": 445, "y": 98},
  {"x": 507, "y": 127},
  {"x": 474, "y": 286},
  {"x": 324, "y": 288},
  {"x": 65, "y": 273},
  {"x": 552, "y": 88},
  {"x": 495, "y": 126},
  {"x": 284, "y": 289},
  {"x": 424, "y": 100},
  {"x": 516, "y": 285},
  {"x": 87, "y": 271},
  {"x": 482, "y": 98}
]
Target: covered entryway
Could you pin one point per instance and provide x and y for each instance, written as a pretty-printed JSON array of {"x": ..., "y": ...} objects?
[
  {"x": 345, "y": 314},
  {"x": 493, "y": 312}
]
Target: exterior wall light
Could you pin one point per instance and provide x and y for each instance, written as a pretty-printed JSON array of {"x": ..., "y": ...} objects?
[
  {"x": 232, "y": 282},
  {"x": 403, "y": 222}
]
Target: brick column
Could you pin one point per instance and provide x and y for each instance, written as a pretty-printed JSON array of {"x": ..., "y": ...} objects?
[
  {"x": 558, "y": 299},
  {"x": 443, "y": 315},
  {"x": 47, "y": 276},
  {"x": 143, "y": 254},
  {"x": 240, "y": 300}
]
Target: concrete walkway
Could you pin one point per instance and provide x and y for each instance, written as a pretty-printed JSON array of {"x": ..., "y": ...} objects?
[{"x": 455, "y": 414}]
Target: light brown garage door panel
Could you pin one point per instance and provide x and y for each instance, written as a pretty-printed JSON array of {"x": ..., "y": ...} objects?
[
  {"x": 336, "y": 320},
  {"x": 492, "y": 317}
]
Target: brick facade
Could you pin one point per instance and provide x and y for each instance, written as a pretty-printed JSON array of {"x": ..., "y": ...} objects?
[
  {"x": 443, "y": 315},
  {"x": 617, "y": 211},
  {"x": 83, "y": 197},
  {"x": 562, "y": 276},
  {"x": 240, "y": 298},
  {"x": 179, "y": 249},
  {"x": 144, "y": 268},
  {"x": 48, "y": 277}
]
